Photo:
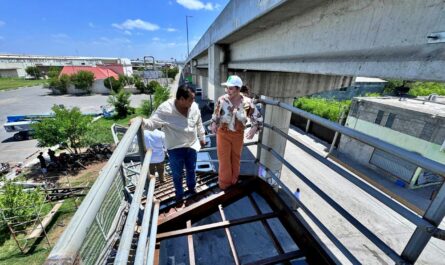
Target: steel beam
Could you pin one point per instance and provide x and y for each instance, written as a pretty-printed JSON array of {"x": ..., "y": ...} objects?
[
  {"x": 143, "y": 236},
  {"x": 127, "y": 235}
]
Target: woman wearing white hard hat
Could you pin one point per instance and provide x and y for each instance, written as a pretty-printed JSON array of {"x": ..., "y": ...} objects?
[{"x": 229, "y": 120}]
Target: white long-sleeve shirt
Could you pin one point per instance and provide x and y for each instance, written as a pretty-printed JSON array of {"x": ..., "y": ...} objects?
[
  {"x": 180, "y": 131},
  {"x": 155, "y": 140}
]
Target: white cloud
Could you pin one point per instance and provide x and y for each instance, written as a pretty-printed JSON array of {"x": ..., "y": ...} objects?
[
  {"x": 91, "y": 25},
  {"x": 156, "y": 39},
  {"x": 2, "y": 23},
  {"x": 127, "y": 33},
  {"x": 195, "y": 4},
  {"x": 131, "y": 24},
  {"x": 171, "y": 29}
]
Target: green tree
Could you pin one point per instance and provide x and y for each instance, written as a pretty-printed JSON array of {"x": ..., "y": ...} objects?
[
  {"x": 328, "y": 109},
  {"x": 20, "y": 204},
  {"x": 427, "y": 88},
  {"x": 121, "y": 103},
  {"x": 140, "y": 86},
  {"x": 152, "y": 86},
  {"x": 126, "y": 80},
  {"x": 161, "y": 94},
  {"x": 54, "y": 71},
  {"x": 83, "y": 80},
  {"x": 66, "y": 126},
  {"x": 33, "y": 71},
  {"x": 172, "y": 72},
  {"x": 146, "y": 108},
  {"x": 113, "y": 84}
]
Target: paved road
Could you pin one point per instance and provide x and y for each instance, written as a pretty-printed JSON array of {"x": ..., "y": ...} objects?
[
  {"x": 38, "y": 100},
  {"x": 389, "y": 226}
]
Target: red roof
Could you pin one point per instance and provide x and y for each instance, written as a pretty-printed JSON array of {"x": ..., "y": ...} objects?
[{"x": 99, "y": 72}]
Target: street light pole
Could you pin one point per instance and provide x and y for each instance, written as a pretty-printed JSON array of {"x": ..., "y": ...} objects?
[{"x": 187, "y": 27}]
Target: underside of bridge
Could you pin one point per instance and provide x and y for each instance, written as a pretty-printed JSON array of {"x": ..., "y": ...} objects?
[{"x": 284, "y": 49}]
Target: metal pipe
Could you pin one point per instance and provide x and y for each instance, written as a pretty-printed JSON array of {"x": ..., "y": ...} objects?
[
  {"x": 153, "y": 232},
  {"x": 410, "y": 216},
  {"x": 215, "y": 148},
  {"x": 319, "y": 224},
  {"x": 420, "y": 237},
  {"x": 260, "y": 138},
  {"x": 439, "y": 233},
  {"x": 352, "y": 220},
  {"x": 143, "y": 236},
  {"x": 69, "y": 243},
  {"x": 241, "y": 161},
  {"x": 127, "y": 235},
  {"x": 342, "y": 118},
  {"x": 375, "y": 142}
]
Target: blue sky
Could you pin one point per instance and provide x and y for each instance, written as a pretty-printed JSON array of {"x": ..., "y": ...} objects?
[{"x": 131, "y": 29}]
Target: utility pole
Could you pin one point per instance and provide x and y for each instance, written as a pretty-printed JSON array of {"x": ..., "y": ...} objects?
[{"x": 187, "y": 27}]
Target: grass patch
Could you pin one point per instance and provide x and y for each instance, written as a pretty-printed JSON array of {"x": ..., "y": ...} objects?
[
  {"x": 102, "y": 127},
  {"x": 12, "y": 83}
]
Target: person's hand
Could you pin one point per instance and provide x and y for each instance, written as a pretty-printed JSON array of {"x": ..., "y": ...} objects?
[
  {"x": 203, "y": 143},
  {"x": 132, "y": 120},
  {"x": 251, "y": 132},
  {"x": 213, "y": 127}
]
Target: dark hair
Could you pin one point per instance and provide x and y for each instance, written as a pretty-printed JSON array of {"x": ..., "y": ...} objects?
[
  {"x": 244, "y": 89},
  {"x": 41, "y": 153},
  {"x": 184, "y": 91}
]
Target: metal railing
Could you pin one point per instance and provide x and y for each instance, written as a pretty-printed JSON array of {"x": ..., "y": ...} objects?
[
  {"x": 427, "y": 225},
  {"x": 92, "y": 229}
]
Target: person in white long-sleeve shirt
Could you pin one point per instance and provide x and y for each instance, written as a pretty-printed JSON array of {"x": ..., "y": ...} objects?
[
  {"x": 155, "y": 140},
  {"x": 184, "y": 135}
]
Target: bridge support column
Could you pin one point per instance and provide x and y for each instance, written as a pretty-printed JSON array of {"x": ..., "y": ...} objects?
[
  {"x": 285, "y": 87},
  {"x": 217, "y": 72},
  {"x": 280, "y": 118},
  {"x": 202, "y": 82}
]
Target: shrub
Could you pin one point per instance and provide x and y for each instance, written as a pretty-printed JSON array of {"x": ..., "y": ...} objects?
[
  {"x": 328, "y": 109},
  {"x": 427, "y": 88},
  {"x": 146, "y": 108},
  {"x": 161, "y": 94},
  {"x": 152, "y": 86},
  {"x": 172, "y": 72},
  {"x": 126, "y": 80},
  {"x": 54, "y": 71},
  {"x": 140, "y": 86},
  {"x": 21, "y": 204},
  {"x": 121, "y": 103},
  {"x": 61, "y": 83},
  {"x": 33, "y": 71},
  {"x": 113, "y": 84},
  {"x": 83, "y": 80}
]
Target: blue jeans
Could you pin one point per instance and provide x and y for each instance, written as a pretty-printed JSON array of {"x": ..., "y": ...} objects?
[{"x": 179, "y": 158}]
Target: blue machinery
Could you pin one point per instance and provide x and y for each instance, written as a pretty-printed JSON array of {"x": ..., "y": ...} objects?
[{"x": 94, "y": 229}]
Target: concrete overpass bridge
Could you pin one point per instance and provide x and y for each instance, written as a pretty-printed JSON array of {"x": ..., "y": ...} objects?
[{"x": 284, "y": 49}]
